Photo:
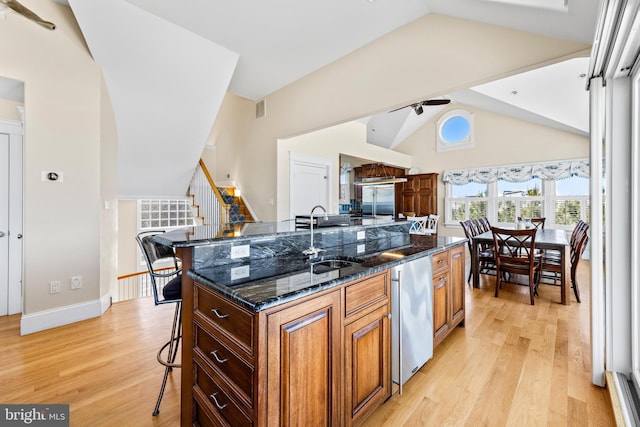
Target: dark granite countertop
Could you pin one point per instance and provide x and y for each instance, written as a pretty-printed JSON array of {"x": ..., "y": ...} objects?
[
  {"x": 258, "y": 284},
  {"x": 204, "y": 235}
]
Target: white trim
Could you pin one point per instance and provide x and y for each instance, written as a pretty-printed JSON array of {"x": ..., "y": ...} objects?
[
  {"x": 48, "y": 319},
  {"x": 15, "y": 287},
  {"x": 635, "y": 227},
  {"x": 598, "y": 326}
]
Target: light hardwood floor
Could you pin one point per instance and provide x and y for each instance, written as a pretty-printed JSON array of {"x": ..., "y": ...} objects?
[{"x": 513, "y": 364}]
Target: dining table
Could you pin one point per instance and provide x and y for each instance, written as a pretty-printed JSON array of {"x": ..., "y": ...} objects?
[{"x": 546, "y": 239}]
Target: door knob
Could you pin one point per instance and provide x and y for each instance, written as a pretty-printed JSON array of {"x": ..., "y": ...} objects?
[
  {"x": 19, "y": 236},
  {"x": 1, "y": 233}
]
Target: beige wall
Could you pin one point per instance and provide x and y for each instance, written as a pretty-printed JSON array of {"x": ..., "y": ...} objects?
[
  {"x": 62, "y": 221},
  {"x": 127, "y": 230},
  {"x": 431, "y": 56},
  {"x": 109, "y": 197},
  {"x": 499, "y": 140},
  {"x": 221, "y": 155},
  {"x": 347, "y": 138}
]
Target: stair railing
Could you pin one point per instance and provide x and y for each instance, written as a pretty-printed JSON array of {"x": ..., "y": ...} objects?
[{"x": 213, "y": 210}]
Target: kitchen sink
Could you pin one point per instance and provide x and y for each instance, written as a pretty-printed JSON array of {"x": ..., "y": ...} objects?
[{"x": 325, "y": 265}]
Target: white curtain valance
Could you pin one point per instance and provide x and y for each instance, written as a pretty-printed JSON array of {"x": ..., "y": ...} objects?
[{"x": 518, "y": 173}]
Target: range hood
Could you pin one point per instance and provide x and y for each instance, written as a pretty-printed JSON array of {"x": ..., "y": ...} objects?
[
  {"x": 384, "y": 176},
  {"x": 380, "y": 180}
]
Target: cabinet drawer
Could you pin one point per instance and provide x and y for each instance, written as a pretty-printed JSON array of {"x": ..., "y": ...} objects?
[
  {"x": 366, "y": 293},
  {"x": 236, "y": 371},
  {"x": 217, "y": 400},
  {"x": 440, "y": 261},
  {"x": 231, "y": 318}
]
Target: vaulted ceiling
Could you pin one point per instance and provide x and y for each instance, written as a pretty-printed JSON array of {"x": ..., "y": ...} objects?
[{"x": 186, "y": 55}]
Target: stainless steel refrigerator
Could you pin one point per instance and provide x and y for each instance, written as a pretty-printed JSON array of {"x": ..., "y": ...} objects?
[
  {"x": 411, "y": 318},
  {"x": 378, "y": 200}
]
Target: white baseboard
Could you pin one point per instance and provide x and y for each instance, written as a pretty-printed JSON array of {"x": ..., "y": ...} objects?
[{"x": 47, "y": 319}]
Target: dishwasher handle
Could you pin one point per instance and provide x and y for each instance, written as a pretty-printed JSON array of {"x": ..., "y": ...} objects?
[{"x": 397, "y": 281}]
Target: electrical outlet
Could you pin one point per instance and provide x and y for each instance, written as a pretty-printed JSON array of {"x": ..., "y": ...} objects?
[
  {"x": 240, "y": 272},
  {"x": 361, "y": 235},
  {"x": 76, "y": 282},
  {"x": 360, "y": 248},
  {"x": 54, "y": 287},
  {"x": 242, "y": 251}
]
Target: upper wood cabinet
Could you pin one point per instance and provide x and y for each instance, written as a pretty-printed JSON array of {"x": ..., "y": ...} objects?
[
  {"x": 373, "y": 170},
  {"x": 418, "y": 195}
]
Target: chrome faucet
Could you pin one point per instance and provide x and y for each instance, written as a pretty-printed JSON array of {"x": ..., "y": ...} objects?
[{"x": 313, "y": 251}]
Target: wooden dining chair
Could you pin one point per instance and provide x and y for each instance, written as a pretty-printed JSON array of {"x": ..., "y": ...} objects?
[
  {"x": 486, "y": 260},
  {"x": 551, "y": 262},
  {"x": 538, "y": 223},
  {"x": 515, "y": 254}
]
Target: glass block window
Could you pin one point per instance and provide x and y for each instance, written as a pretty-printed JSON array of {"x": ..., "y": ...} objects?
[{"x": 164, "y": 213}]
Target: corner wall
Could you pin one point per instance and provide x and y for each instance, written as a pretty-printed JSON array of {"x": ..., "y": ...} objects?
[{"x": 62, "y": 220}]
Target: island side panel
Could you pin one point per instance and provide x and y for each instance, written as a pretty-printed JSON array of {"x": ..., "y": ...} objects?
[{"x": 186, "y": 407}]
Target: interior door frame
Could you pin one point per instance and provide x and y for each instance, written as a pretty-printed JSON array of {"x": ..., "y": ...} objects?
[
  {"x": 304, "y": 159},
  {"x": 16, "y": 199}
]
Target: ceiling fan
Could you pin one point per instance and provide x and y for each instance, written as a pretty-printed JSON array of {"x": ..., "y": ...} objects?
[
  {"x": 27, "y": 13},
  {"x": 417, "y": 107}
]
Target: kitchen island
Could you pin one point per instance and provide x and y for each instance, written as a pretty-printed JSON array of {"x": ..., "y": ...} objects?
[{"x": 273, "y": 337}]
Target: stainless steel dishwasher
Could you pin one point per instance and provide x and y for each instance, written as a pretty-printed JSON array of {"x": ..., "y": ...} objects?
[{"x": 412, "y": 318}]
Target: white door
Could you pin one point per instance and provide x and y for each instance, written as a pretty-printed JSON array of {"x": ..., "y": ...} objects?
[
  {"x": 310, "y": 186},
  {"x": 10, "y": 218}
]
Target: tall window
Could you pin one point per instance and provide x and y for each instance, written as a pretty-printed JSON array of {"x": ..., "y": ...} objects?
[
  {"x": 519, "y": 199},
  {"x": 470, "y": 201},
  {"x": 571, "y": 200}
]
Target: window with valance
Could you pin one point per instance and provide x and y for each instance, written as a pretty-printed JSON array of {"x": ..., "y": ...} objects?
[{"x": 556, "y": 190}]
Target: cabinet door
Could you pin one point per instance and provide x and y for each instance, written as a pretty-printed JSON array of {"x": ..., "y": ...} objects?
[
  {"x": 456, "y": 286},
  {"x": 304, "y": 363},
  {"x": 426, "y": 197},
  {"x": 367, "y": 364},
  {"x": 440, "y": 306},
  {"x": 409, "y": 195}
]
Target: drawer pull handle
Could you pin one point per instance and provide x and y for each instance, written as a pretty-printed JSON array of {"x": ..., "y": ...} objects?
[
  {"x": 440, "y": 261},
  {"x": 214, "y": 353},
  {"x": 215, "y": 400},
  {"x": 217, "y": 313}
]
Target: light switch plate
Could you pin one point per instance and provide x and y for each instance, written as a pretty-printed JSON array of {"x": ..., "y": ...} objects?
[{"x": 361, "y": 235}]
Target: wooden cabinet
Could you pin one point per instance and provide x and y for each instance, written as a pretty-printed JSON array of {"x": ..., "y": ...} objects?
[
  {"x": 322, "y": 360},
  {"x": 304, "y": 363},
  {"x": 373, "y": 170},
  {"x": 367, "y": 348},
  {"x": 419, "y": 194},
  {"x": 448, "y": 292}
]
